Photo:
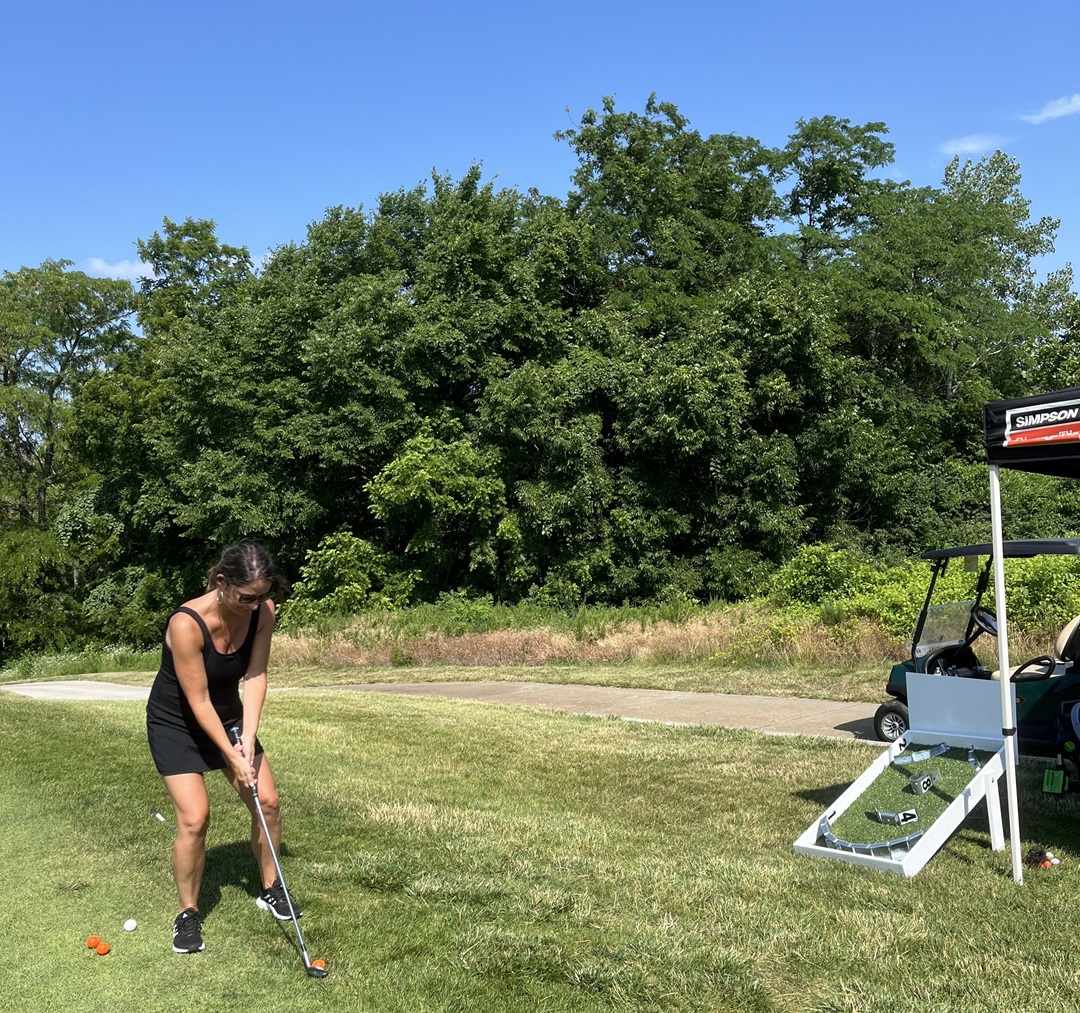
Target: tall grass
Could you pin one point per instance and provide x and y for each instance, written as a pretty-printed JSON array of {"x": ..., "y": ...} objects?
[
  {"x": 717, "y": 635},
  {"x": 478, "y": 633},
  {"x": 89, "y": 662},
  {"x": 826, "y": 606},
  {"x": 522, "y": 635}
]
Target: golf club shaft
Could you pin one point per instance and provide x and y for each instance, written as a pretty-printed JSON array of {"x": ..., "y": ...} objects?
[
  {"x": 161, "y": 819},
  {"x": 234, "y": 734}
]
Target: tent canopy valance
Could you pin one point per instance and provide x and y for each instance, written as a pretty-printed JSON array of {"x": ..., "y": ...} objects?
[{"x": 1040, "y": 433}]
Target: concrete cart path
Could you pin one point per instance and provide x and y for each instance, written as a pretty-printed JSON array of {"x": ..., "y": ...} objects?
[
  {"x": 77, "y": 689},
  {"x": 771, "y": 715}
]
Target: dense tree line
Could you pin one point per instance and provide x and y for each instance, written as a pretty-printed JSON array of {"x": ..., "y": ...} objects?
[{"x": 710, "y": 353}]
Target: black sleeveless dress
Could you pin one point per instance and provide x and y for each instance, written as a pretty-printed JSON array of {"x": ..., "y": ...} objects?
[{"x": 177, "y": 742}]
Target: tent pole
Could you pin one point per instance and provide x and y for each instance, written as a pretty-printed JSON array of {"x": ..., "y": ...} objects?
[{"x": 1008, "y": 710}]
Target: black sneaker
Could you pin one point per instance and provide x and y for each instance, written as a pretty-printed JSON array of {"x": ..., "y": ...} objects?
[
  {"x": 186, "y": 934},
  {"x": 273, "y": 899}
]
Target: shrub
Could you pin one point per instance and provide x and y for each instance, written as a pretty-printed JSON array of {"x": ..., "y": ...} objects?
[
  {"x": 344, "y": 575},
  {"x": 1043, "y": 593},
  {"x": 836, "y": 585},
  {"x": 131, "y": 606},
  {"x": 37, "y": 610},
  {"x": 819, "y": 573}
]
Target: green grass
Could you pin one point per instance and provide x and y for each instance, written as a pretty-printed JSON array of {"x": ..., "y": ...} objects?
[
  {"x": 455, "y": 856},
  {"x": 891, "y": 791}
]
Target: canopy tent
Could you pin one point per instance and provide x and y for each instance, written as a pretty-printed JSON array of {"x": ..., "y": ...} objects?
[{"x": 1040, "y": 434}]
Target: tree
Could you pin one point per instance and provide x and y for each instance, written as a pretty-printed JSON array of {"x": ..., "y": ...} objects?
[
  {"x": 828, "y": 159},
  {"x": 162, "y": 427},
  {"x": 36, "y": 604},
  {"x": 642, "y": 391},
  {"x": 191, "y": 273},
  {"x": 550, "y": 424},
  {"x": 672, "y": 214},
  {"x": 938, "y": 301},
  {"x": 1057, "y": 357},
  {"x": 441, "y": 502},
  {"x": 58, "y": 328}
]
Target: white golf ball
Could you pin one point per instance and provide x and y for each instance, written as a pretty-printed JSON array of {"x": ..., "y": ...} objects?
[{"x": 130, "y": 925}]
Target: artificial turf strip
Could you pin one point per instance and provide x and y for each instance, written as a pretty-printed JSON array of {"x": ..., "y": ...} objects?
[
  {"x": 891, "y": 791},
  {"x": 453, "y": 856}
]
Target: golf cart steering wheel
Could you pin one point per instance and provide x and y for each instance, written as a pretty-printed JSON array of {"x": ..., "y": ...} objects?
[{"x": 985, "y": 620}]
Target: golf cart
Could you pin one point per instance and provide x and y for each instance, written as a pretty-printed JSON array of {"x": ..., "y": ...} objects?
[{"x": 1048, "y": 687}]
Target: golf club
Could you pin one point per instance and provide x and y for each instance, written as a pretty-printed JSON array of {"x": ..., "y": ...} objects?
[
  {"x": 161, "y": 819},
  {"x": 315, "y": 972}
]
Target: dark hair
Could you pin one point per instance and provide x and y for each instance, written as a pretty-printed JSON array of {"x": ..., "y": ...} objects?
[{"x": 245, "y": 562}]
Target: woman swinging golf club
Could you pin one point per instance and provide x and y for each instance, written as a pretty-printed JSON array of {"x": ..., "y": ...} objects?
[{"x": 211, "y": 644}]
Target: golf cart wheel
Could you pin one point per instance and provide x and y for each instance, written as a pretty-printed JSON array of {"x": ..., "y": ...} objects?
[{"x": 891, "y": 721}]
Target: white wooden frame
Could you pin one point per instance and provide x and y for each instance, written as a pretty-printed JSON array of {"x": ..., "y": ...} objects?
[{"x": 959, "y": 712}]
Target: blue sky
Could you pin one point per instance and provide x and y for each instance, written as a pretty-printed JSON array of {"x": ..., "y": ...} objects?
[{"x": 262, "y": 115}]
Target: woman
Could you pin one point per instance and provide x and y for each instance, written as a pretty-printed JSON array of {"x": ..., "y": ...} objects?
[{"x": 211, "y": 644}]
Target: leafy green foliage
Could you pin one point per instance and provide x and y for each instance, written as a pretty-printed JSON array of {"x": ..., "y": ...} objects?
[
  {"x": 827, "y": 160},
  {"x": 818, "y": 573},
  {"x": 131, "y": 606},
  {"x": 673, "y": 213},
  {"x": 442, "y": 496},
  {"x": 58, "y": 328},
  {"x": 191, "y": 274},
  {"x": 341, "y": 576},
  {"x": 710, "y": 355},
  {"x": 836, "y": 584},
  {"x": 1043, "y": 592},
  {"x": 36, "y": 607}
]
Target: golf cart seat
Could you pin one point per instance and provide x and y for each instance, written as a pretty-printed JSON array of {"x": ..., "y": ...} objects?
[{"x": 1066, "y": 652}]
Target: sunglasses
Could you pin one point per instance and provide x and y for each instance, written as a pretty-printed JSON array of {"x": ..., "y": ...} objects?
[{"x": 251, "y": 599}]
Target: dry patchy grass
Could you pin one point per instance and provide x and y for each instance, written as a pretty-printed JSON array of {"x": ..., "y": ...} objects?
[{"x": 739, "y": 635}]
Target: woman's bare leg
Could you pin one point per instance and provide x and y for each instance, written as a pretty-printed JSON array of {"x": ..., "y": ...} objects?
[
  {"x": 191, "y": 804},
  {"x": 271, "y": 807}
]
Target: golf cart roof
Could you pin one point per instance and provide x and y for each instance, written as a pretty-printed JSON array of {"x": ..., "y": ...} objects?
[{"x": 1021, "y": 549}]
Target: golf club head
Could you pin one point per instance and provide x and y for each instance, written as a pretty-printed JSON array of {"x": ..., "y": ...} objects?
[{"x": 316, "y": 972}]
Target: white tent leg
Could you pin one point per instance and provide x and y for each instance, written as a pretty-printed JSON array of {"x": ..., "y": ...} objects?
[{"x": 1008, "y": 713}]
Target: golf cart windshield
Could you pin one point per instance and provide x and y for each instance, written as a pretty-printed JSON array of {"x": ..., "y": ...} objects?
[
  {"x": 944, "y": 626},
  {"x": 956, "y": 623}
]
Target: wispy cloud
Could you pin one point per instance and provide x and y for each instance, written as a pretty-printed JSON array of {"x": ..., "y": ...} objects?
[
  {"x": 1068, "y": 106},
  {"x": 132, "y": 270},
  {"x": 972, "y": 144}
]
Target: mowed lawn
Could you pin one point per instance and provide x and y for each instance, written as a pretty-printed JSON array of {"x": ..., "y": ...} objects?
[{"x": 457, "y": 856}]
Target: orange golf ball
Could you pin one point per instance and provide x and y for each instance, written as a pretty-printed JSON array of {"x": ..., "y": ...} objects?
[
  {"x": 321, "y": 964},
  {"x": 92, "y": 942},
  {"x": 102, "y": 949}
]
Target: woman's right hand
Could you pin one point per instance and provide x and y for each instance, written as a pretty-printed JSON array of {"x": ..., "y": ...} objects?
[{"x": 241, "y": 766}]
